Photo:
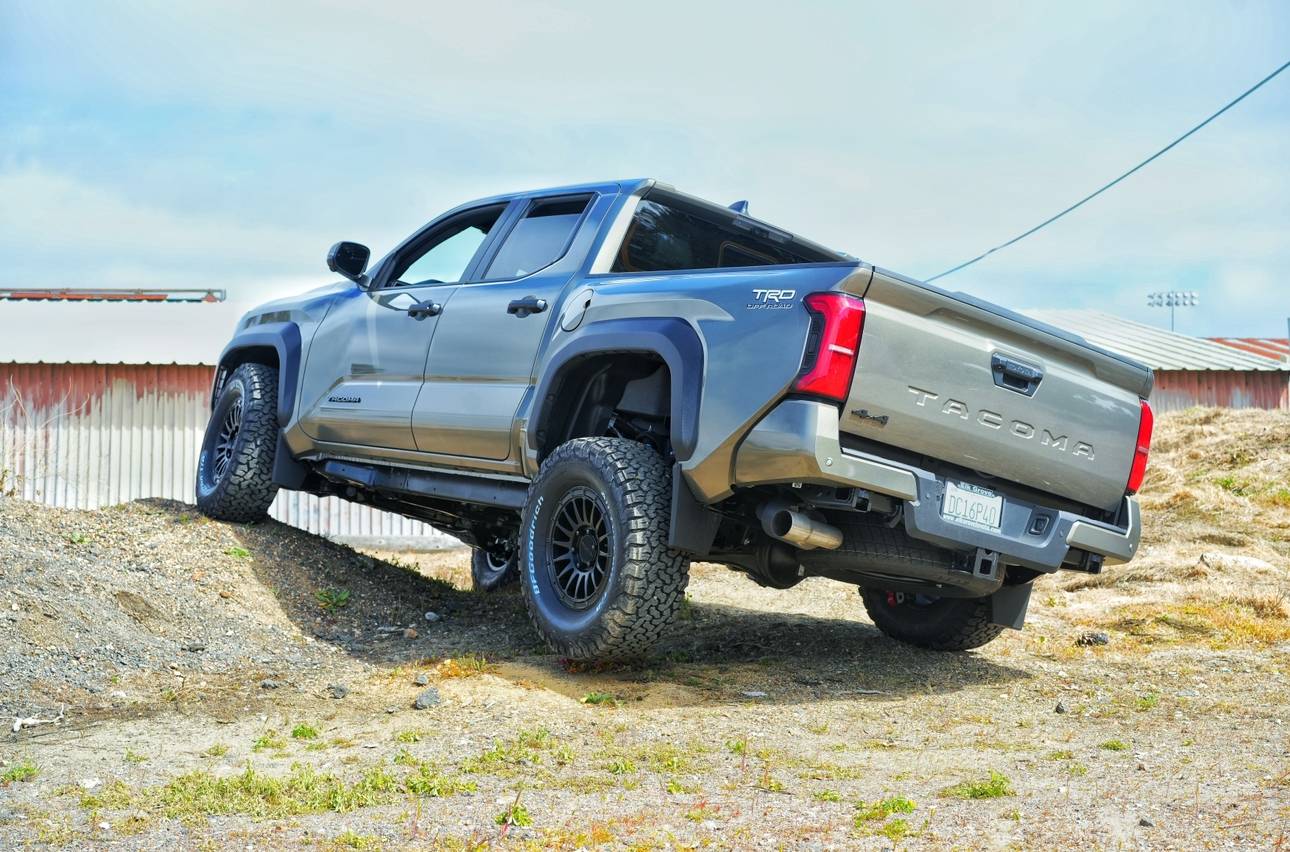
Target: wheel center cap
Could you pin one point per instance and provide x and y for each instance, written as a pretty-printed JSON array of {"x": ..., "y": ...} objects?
[{"x": 587, "y": 549}]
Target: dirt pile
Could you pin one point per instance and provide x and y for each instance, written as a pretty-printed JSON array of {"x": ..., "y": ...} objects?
[{"x": 138, "y": 604}]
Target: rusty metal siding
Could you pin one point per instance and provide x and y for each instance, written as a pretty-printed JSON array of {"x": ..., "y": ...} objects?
[
  {"x": 89, "y": 435},
  {"x": 1176, "y": 389}
]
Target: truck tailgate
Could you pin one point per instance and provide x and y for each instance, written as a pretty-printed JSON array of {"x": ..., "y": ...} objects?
[{"x": 967, "y": 383}]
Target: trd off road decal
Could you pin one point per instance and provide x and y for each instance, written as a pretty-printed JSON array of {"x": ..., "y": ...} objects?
[{"x": 772, "y": 300}]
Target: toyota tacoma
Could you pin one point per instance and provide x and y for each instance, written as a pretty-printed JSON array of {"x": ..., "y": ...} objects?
[{"x": 594, "y": 385}]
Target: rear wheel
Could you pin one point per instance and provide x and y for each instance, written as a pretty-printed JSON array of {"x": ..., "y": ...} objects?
[
  {"x": 942, "y": 624},
  {"x": 597, "y": 575},
  {"x": 235, "y": 467}
]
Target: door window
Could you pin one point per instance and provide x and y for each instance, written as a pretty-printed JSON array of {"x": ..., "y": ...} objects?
[
  {"x": 671, "y": 232},
  {"x": 540, "y": 238},
  {"x": 447, "y": 251}
]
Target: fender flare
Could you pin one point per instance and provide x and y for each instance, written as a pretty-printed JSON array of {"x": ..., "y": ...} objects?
[
  {"x": 282, "y": 337},
  {"x": 672, "y": 340}
]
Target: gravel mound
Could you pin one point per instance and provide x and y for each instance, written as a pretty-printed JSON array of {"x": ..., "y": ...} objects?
[{"x": 113, "y": 608}]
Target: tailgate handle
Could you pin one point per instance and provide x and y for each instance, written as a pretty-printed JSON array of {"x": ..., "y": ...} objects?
[{"x": 1014, "y": 375}]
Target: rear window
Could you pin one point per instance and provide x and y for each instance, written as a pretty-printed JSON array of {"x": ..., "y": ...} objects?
[
  {"x": 540, "y": 238},
  {"x": 671, "y": 232}
]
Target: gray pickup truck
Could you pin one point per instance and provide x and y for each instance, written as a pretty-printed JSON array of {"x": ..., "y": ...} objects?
[{"x": 594, "y": 385}]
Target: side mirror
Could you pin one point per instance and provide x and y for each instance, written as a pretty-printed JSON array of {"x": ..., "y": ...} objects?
[{"x": 350, "y": 260}]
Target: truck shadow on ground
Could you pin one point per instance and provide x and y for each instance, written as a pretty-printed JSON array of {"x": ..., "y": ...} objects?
[{"x": 714, "y": 653}]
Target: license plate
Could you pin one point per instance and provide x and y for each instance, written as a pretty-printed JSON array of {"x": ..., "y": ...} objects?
[{"x": 972, "y": 505}]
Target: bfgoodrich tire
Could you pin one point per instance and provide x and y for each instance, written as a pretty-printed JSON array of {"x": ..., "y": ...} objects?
[
  {"x": 235, "y": 468},
  {"x": 942, "y": 624},
  {"x": 597, "y": 575}
]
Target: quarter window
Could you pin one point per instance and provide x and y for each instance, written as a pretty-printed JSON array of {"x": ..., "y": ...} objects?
[
  {"x": 540, "y": 238},
  {"x": 671, "y": 232}
]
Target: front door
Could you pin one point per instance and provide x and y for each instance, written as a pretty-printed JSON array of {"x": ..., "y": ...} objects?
[
  {"x": 368, "y": 358},
  {"x": 481, "y": 359}
]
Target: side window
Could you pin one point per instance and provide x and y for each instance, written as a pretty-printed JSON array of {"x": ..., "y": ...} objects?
[
  {"x": 670, "y": 232},
  {"x": 540, "y": 238},
  {"x": 447, "y": 252}
]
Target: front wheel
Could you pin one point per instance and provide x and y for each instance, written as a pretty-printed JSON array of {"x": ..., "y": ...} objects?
[
  {"x": 597, "y": 575},
  {"x": 235, "y": 468},
  {"x": 491, "y": 569},
  {"x": 942, "y": 624}
]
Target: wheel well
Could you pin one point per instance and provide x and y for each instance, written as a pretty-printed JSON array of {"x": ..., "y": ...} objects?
[
  {"x": 627, "y": 394},
  {"x": 266, "y": 355}
]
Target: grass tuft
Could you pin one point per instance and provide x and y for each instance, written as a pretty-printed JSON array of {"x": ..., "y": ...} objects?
[
  {"x": 996, "y": 786},
  {"x": 332, "y": 600},
  {"x": 22, "y": 771}
]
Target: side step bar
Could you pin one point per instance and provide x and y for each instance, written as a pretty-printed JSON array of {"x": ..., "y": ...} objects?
[{"x": 498, "y": 493}]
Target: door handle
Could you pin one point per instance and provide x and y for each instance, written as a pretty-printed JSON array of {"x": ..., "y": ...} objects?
[
  {"x": 422, "y": 310},
  {"x": 528, "y": 305},
  {"x": 1014, "y": 375}
]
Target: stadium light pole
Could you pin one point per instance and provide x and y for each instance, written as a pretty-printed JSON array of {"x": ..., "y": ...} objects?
[{"x": 1173, "y": 299}]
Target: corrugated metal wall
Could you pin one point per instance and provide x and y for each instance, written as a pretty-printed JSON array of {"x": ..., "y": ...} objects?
[
  {"x": 1176, "y": 389},
  {"x": 90, "y": 435}
]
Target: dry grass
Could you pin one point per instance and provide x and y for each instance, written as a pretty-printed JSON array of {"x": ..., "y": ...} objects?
[
  {"x": 1247, "y": 621},
  {"x": 1216, "y": 511}
]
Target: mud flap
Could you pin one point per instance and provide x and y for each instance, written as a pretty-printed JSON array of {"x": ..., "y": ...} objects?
[
  {"x": 1008, "y": 605},
  {"x": 693, "y": 525}
]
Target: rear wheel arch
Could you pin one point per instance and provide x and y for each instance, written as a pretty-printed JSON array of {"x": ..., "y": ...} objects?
[{"x": 593, "y": 369}]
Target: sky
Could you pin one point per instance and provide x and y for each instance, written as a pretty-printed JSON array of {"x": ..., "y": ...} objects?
[{"x": 161, "y": 144}]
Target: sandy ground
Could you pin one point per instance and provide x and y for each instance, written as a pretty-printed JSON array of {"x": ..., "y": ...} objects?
[{"x": 203, "y": 693}]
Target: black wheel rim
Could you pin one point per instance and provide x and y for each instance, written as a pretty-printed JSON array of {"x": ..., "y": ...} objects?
[
  {"x": 222, "y": 452},
  {"x": 579, "y": 548}
]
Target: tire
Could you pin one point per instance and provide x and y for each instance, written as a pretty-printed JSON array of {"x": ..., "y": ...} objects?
[
  {"x": 490, "y": 571},
  {"x": 941, "y": 624},
  {"x": 597, "y": 575},
  {"x": 235, "y": 467}
]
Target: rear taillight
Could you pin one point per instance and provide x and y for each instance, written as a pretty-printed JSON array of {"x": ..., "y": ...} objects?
[
  {"x": 1141, "y": 450},
  {"x": 834, "y": 339}
]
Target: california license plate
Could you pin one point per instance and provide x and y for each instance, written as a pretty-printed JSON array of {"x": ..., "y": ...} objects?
[{"x": 972, "y": 505}]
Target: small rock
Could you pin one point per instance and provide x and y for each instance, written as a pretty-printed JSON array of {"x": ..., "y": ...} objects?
[
  {"x": 427, "y": 699},
  {"x": 269, "y": 683},
  {"x": 391, "y": 709},
  {"x": 432, "y": 617},
  {"x": 422, "y": 679},
  {"x": 337, "y": 690},
  {"x": 410, "y": 633},
  {"x": 754, "y": 693},
  {"x": 1093, "y": 637},
  {"x": 89, "y": 783},
  {"x": 194, "y": 647},
  {"x": 1061, "y": 707},
  {"x": 1145, "y": 823}
]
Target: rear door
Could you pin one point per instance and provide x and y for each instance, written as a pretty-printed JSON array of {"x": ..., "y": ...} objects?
[
  {"x": 368, "y": 357},
  {"x": 481, "y": 358}
]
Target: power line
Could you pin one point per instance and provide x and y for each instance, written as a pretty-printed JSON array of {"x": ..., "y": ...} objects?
[{"x": 1093, "y": 195}]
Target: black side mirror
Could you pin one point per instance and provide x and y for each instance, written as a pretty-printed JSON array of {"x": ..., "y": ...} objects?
[{"x": 350, "y": 260}]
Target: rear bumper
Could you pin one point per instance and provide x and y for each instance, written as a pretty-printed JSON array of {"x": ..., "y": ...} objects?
[{"x": 798, "y": 441}]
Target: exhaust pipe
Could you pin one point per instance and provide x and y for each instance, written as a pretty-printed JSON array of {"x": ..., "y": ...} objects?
[{"x": 798, "y": 529}]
